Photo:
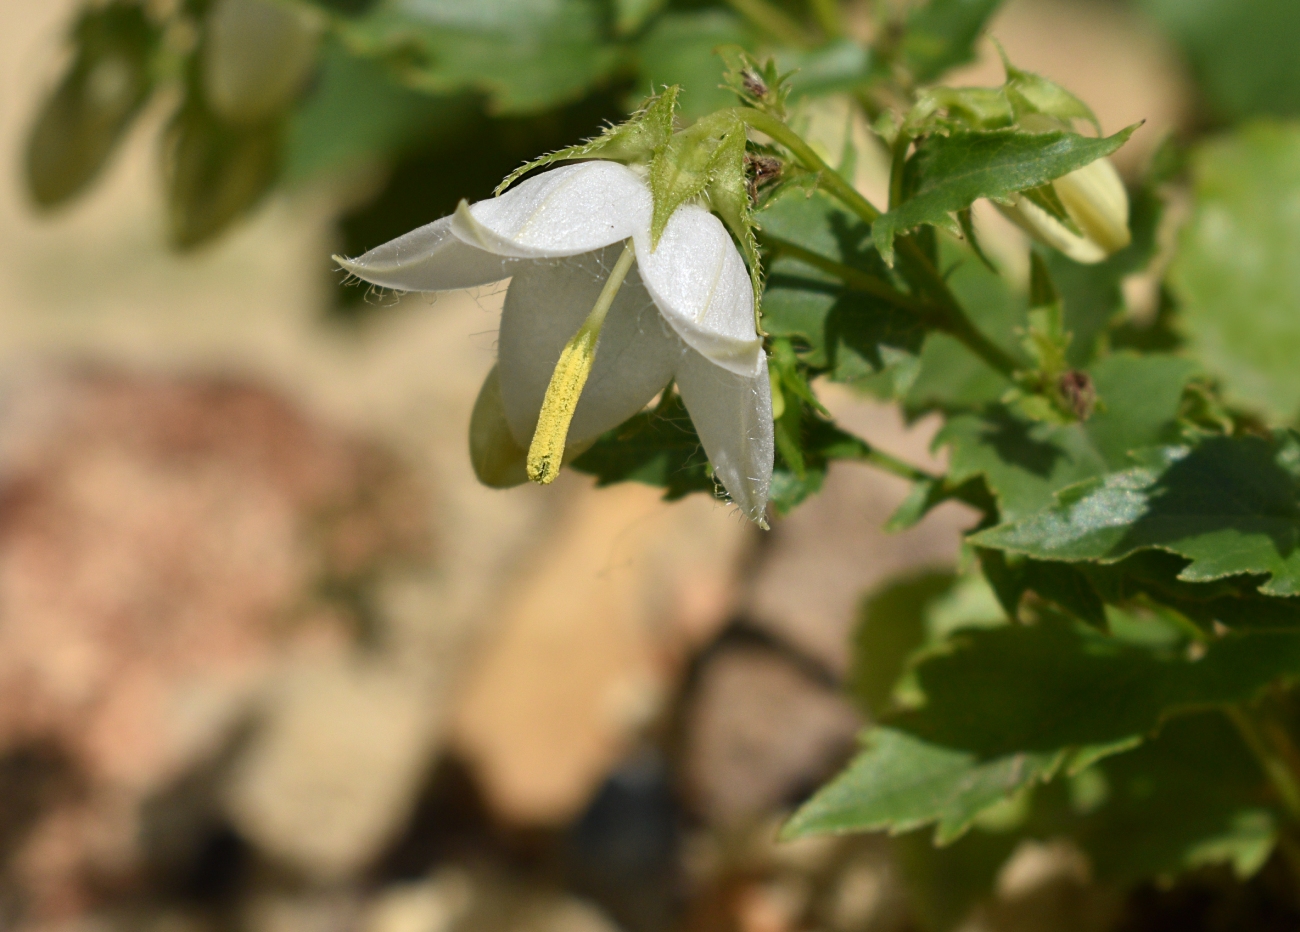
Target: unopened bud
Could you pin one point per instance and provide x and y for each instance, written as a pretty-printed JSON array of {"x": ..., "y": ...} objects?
[
  {"x": 1095, "y": 199},
  {"x": 258, "y": 57},
  {"x": 754, "y": 82},
  {"x": 499, "y": 461},
  {"x": 82, "y": 121},
  {"x": 1078, "y": 393}
]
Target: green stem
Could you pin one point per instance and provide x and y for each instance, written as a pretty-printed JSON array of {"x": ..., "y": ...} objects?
[
  {"x": 828, "y": 178},
  {"x": 893, "y": 465},
  {"x": 773, "y": 20},
  {"x": 953, "y": 319},
  {"x": 829, "y": 17},
  {"x": 1275, "y": 752},
  {"x": 855, "y": 279}
]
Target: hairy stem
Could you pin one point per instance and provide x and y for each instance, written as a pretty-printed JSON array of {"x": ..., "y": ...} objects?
[
  {"x": 773, "y": 20},
  {"x": 952, "y": 316}
]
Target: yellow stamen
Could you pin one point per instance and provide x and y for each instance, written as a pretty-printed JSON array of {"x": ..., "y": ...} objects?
[{"x": 546, "y": 453}]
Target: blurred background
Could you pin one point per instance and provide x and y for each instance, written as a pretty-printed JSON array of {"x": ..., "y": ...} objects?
[{"x": 272, "y": 660}]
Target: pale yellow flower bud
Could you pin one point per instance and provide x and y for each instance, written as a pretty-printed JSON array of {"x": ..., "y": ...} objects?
[{"x": 1096, "y": 201}]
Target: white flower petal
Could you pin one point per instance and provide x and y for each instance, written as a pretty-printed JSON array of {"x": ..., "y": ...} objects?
[
  {"x": 428, "y": 259},
  {"x": 733, "y": 416},
  {"x": 545, "y": 305},
  {"x": 566, "y": 211},
  {"x": 700, "y": 283}
]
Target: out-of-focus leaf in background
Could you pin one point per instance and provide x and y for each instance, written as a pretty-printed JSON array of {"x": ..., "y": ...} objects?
[
  {"x": 1236, "y": 272},
  {"x": 1245, "y": 53},
  {"x": 80, "y": 124}
]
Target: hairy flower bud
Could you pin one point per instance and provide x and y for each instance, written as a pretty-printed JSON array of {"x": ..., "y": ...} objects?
[
  {"x": 258, "y": 57},
  {"x": 1095, "y": 200}
]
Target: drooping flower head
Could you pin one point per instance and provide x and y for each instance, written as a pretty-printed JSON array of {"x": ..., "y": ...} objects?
[{"x": 622, "y": 281}]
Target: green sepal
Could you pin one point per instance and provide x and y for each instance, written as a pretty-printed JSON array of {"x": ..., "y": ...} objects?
[
  {"x": 634, "y": 140},
  {"x": 759, "y": 86}
]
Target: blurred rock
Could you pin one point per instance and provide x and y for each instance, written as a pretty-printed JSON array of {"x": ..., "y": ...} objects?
[
  {"x": 164, "y": 545},
  {"x": 1046, "y": 885},
  {"x": 334, "y": 769},
  {"x": 435, "y": 905},
  {"x": 824, "y": 556},
  {"x": 319, "y": 912},
  {"x": 595, "y": 626},
  {"x": 760, "y": 734}
]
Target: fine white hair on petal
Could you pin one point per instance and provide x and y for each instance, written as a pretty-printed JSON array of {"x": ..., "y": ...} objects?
[
  {"x": 566, "y": 211},
  {"x": 429, "y": 258},
  {"x": 545, "y": 305},
  {"x": 733, "y": 416},
  {"x": 700, "y": 283}
]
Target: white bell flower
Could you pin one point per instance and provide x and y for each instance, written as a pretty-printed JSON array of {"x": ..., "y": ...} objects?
[
  {"x": 598, "y": 319},
  {"x": 1095, "y": 199}
]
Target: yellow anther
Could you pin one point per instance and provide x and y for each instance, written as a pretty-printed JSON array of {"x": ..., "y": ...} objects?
[{"x": 546, "y": 453}]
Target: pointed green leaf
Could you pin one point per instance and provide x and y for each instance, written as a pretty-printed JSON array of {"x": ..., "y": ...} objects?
[
  {"x": 947, "y": 174},
  {"x": 1228, "y": 505}
]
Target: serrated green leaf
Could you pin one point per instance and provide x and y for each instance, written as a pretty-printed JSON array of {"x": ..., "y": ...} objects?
[
  {"x": 941, "y": 34},
  {"x": 525, "y": 55},
  {"x": 1235, "y": 272},
  {"x": 947, "y": 174},
  {"x": 1056, "y": 684},
  {"x": 1025, "y": 462},
  {"x": 1229, "y": 505},
  {"x": 846, "y": 333},
  {"x": 899, "y": 783}
]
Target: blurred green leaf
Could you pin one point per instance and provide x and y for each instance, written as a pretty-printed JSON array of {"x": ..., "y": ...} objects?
[
  {"x": 525, "y": 55},
  {"x": 80, "y": 124},
  {"x": 948, "y": 173},
  {"x": 1245, "y": 53},
  {"x": 678, "y": 49},
  {"x": 357, "y": 115},
  {"x": 891, "y": 627},
  {"x": 1229, "y": 505},
  {"x": 899, "y": 783},
  {"x": 215, "y": 173},
  {"x": 1236, "y": 273},
  {"x": 941, "y": 34},
  {"x": 1192, "y": 796}
]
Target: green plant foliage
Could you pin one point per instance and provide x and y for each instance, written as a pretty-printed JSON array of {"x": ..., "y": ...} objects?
[
  {"x": 677, "y": 49},
  {"x": 899, "y": 783},
  {"x": 1235, "y": 272},
  {"x": 1011, "y": 706},
  {"x": 1229, "y": 505},
  {"x": 1246, "y": 56},
  {"x": 846, "y": 333},
  {"x": 941, "y": 34},
  {"x": 107, "y": 83},
  {"x": 1025, "y": 461},
  {"x": 948, "y": 173},
  {"x": 524, "y": 55},
  {"x": 358, "y": 115}
]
